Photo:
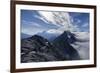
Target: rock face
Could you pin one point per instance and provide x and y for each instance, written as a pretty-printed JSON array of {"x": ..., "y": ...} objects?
[
  {"x": 39, "y": 49},
  {"x": 63, "y": 43}
]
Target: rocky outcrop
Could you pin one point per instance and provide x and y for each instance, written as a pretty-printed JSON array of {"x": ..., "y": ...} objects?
[{"x": 39, "y": 49}]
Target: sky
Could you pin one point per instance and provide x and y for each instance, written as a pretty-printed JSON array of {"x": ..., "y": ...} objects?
[{"x": 33, "y": 22}]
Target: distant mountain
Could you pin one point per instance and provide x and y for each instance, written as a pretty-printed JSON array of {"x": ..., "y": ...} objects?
[
  {"x": 23, "y": 35},
  {"x": 39, "y": 49},
  {"x": 50, "y": 34}
]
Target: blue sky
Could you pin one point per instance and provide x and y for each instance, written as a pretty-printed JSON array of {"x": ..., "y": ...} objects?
[
  {"x": 33, "y": 21},
  {"x": 81, "y": 20}
]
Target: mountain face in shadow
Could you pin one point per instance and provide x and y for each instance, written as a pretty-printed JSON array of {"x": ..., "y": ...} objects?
[
  {"x": 67, "y": 36},
  {"x": 63, "y": 43},
  {"x": 39, "y": 49}
]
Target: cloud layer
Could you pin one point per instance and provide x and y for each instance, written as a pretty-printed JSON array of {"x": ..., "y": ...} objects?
[
  {"x": 60, "y": 19},
  {"x": 82, "y": 45}
]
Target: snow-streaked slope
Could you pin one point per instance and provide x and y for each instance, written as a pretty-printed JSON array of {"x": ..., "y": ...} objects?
[{"x": 82, "y": 44}]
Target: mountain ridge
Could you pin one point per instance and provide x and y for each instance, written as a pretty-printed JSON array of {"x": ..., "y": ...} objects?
[{"x": 39, "y": 49}]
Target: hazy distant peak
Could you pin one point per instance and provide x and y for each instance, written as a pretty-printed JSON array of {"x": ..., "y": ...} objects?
[
  {"x": 54, "y": 31},
  {"x": 50, "y": 34}
]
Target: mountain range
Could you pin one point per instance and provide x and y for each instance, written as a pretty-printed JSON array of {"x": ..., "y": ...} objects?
[
  {"x": 23, "y": 35},
  {"x": 40, "y": 49}
]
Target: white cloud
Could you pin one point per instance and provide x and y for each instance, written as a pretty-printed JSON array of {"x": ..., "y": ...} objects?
[
  {"x": 78, "y": 21},
  {"x": 46, "y": 16},
  {"x": 85, "y": 24},
  {"x": 82, "y": 45},
  {"x": 31, "y": 28},
  {"x": 82, "y": 35},
  {"x": 41, "y": 18},
  {"x": 30, "y": 23},
  {"x": 54, "y": 31},
  {"x": 61, "y": 19}
]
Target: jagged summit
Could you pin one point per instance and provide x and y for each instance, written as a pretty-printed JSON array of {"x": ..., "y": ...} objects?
[
  {"x": 67, "y": 36},
  {"x": 39, "y": 49},
  {"x": 63, "y": 42}
]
